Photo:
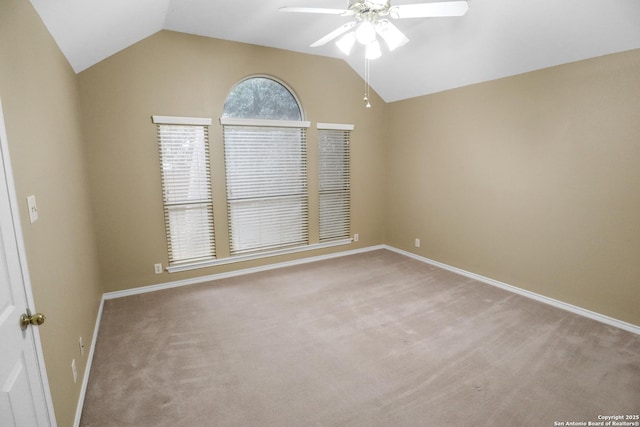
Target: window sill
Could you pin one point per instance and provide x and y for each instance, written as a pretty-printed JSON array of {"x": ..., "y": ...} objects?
[{"x": 240, "y": 258}]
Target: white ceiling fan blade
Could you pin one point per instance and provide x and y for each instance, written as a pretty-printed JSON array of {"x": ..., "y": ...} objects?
[
  {"x": 335, "y": 33},
  {"x": 314, "y": 10},
  {"x": 430, "y": 10},
  {"x": 392, "y": 36}
]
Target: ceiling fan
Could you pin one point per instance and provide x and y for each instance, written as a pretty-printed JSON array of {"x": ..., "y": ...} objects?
[{"x": 371, "y": 21}]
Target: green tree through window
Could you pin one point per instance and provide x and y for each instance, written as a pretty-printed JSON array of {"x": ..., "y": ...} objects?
[{"x": 261, "y": 98}]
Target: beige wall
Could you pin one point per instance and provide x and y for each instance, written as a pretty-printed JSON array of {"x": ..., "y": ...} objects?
[
  {"x": 176, "y": 74},
  {"x": 41, "y": 108},
  {"x": 532, "y": 180}
]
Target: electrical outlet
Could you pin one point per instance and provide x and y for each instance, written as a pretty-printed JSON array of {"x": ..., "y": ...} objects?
[
  {"x": 417, "y": 243},
  {"x": 81, "y": 346},
  {"x": 356, "y": 237},
  {"x": 74, "y": 370},
  {"x": 33, "y": 209},
  {"x": 158, "y": 268}
]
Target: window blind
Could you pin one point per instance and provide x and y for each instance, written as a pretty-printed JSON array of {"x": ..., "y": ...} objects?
[
  {"x": 266, "y": 173},
  {"x": 185, "y": 171},
  {"x": 334, "y": 181}
]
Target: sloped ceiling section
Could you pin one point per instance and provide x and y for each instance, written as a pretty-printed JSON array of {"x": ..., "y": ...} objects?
[
  {"x": 88, "y": 31},
  {"x": 495, "y": 39}
]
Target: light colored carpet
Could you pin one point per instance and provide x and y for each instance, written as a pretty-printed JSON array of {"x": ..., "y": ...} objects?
[{"x": 375, "y": 339}]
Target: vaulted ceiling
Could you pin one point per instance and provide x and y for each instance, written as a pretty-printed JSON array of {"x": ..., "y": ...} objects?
[{"x": 495, "y": 39}]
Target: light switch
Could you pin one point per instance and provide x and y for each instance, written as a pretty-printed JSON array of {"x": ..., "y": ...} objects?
[{"x": 33, "y": 209}]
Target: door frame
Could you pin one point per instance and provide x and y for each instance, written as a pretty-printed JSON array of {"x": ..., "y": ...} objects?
[{"x": 22, "y": 255}]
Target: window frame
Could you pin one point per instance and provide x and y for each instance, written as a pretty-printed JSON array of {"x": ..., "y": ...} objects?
[
  {"x": 267, "y": 201},
  {"x": 280, "y": 82},
  {"x": 313, "y": 241},
  {"x": 294, "y": 191},
  {"x": 182, "y": 247},
  {"x": 338, "y": 216}
]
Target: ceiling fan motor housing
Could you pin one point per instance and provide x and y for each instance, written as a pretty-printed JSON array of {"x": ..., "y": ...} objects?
[{"x": 369, "y": 8}]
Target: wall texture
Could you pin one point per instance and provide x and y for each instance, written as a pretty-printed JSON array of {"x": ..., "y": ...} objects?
[
  {"x": 177, "y": 74},
  {"x": 532, "y": 180},
  {"x": 41, "y": 107}
]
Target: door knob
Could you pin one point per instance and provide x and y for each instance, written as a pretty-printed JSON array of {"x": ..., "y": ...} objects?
[{"x": 31, "y": 319}]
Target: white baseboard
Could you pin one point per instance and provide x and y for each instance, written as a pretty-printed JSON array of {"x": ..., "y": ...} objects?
[
  {"x": 540, "y": 298},
  {"x": 144, "y": 289},
  {"x": 202, "y": 279},
  {"x": 87, "y": 368}
]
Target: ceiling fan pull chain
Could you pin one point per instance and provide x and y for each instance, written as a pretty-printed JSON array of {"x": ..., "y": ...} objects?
[{"x": 367, "y": 104}]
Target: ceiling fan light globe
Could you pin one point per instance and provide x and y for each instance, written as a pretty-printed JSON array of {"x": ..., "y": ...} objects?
[
  {"x": 392, "y": 36},
  {"x": 346, "y": 42},
  {"x": 365, "y": 33},
  {"x": 373, "y": 51}
]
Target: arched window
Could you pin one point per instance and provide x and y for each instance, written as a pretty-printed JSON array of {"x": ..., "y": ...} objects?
[
  {"x": 262, "y": 98},
  {"x": 266, "y": 167}
]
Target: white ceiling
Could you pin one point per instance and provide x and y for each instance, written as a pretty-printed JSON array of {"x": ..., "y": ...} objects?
[{"x": 496, "y": 38}]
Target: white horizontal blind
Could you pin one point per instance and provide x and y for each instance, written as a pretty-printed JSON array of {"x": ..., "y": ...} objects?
[
  {"x": 188, "y": 207},
  {"x": 266, "y": 172},
  {"x": 335, "y": 183}
]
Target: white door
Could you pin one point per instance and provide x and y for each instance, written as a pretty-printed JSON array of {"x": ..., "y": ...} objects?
[{"x": 23, "y": 401}]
